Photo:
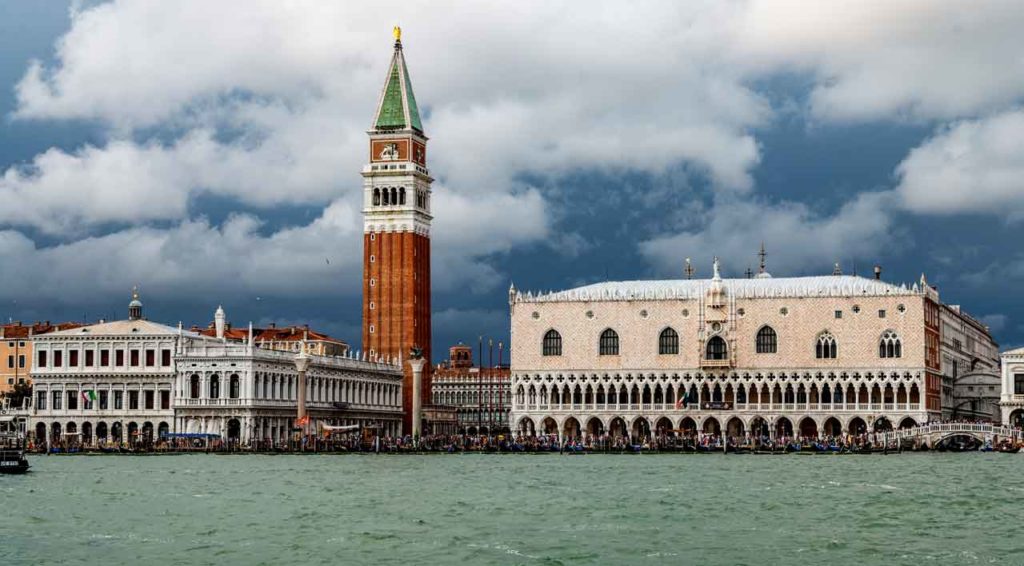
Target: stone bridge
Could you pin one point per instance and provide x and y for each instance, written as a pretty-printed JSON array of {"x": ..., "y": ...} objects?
[{"x": 936, "y": 432}]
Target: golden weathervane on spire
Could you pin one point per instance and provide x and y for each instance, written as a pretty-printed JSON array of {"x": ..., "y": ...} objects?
[{"x": 398, "y": 33}]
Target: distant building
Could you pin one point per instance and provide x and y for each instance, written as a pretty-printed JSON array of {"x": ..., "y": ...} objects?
[
  {"x": 1012, "y": 397},
  {"x": 481, "y": 396},
  {"x": 284, "y": 339},
  {"x": 243, "y": 385},
  {"x": 111, "y": 381},
  {"x": 16, "y": 350},
  {"x": 784, "y": 356},
  {"x": 970, "y": 367}
]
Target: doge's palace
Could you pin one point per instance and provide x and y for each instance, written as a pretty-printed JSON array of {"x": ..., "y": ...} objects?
[{"x": 807, "y": 356}]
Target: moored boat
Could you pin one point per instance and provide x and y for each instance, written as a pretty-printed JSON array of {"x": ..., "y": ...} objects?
[{"x": 12, "y": 454}]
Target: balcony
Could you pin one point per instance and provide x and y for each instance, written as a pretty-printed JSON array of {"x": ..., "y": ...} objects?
[
  {"x": 647, "y": 408},
  {"x": 716, "y": 363},
  {"x": 208, "y": 402}
]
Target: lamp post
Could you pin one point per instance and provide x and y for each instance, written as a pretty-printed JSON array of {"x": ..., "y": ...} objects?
[
  {"x": 480, "y": 386},
  {"x": 302, "y": 360},
  {"x": 417, "y": 362}
]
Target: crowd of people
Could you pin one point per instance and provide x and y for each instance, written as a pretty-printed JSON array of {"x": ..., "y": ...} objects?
[{"x": 661, "y": 441}]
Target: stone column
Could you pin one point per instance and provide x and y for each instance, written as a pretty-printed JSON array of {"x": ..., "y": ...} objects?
[
  {"x": 417, "y": 380},
  {"x": 302, "y": 360}
]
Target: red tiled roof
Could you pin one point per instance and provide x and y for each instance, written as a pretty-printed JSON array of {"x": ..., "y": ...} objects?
[
  {"x": 19, "y": 330},
  {"x": 276, "y": 334}
]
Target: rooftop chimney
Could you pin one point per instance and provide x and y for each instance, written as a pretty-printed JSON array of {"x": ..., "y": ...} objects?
[{"x": 878, "y": 272}]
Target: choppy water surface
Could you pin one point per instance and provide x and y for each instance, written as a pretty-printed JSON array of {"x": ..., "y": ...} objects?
[{"x": 515, "y": 509}]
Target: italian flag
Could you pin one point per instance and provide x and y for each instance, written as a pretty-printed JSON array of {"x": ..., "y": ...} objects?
[{"x": 89, "y": 395}]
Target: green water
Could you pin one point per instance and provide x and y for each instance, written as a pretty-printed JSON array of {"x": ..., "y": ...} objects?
[{"x": 515, "y": 509}]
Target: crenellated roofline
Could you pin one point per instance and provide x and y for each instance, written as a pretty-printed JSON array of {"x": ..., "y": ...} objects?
[{"x": 692, "y": 289}]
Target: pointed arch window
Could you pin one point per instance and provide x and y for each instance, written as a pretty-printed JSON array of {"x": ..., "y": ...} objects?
[
  {"x": 552, "y": 345},
  {"x": 890, "y": 346},
  {"x": 668, "y": 342},
  {"x": 767, "y": 340},
  {"x": 609, "y": 345},
  {"x": 716, "y": 349},
  {"x": 826, "y": 348}
]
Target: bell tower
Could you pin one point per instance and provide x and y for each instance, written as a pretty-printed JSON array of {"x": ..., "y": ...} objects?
[{"x": 396, "y": 231}]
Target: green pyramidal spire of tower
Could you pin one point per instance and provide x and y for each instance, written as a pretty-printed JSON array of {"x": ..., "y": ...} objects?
[{"x": 397, "y": 108}]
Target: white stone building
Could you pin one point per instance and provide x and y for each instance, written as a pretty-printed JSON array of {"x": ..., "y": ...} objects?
[
  {"x": 970, "y": 367},
  {"x": 246, "y": 393},
  {"x": 1012, "y": 395},
  {"x": 782, "y": 356},
  {"x": 480, "y": 396},
  {"x": 106, "y": 382}
]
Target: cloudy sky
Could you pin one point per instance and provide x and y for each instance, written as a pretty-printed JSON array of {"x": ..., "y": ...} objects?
[{"x": 210, "y": 152}]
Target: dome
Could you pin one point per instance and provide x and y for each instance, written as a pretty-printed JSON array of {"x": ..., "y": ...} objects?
[
  {"x": 135, "y": 306},
  {"x": 135, "y": 298}
]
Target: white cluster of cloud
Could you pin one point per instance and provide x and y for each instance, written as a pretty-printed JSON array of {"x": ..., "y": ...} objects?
[
  {"x": 270, "y": 103},
  {"x": 971, "y": 166},
  {"x": 191, "y": 258},
  {"x": 878, "y": 60}
]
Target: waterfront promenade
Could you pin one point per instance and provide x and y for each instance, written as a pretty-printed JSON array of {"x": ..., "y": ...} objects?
[{"x": 939, "y": 436}]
